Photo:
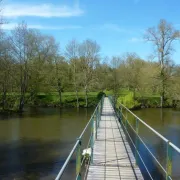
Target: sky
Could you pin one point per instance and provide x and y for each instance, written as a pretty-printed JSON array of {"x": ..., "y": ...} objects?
[{"x": 118, "y": 26}]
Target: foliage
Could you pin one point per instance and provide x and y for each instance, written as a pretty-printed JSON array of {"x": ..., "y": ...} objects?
[
  {"x": 129, "y": 101},
  {"x": 100, "y": 95},
  {"x": 34, "y": 71}
]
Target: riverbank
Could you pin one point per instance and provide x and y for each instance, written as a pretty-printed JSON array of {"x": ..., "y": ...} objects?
[
  {"x": 51, "y": 100},
  {"x": 138, "y": 101},
  {"x": 69, "y": 100}
]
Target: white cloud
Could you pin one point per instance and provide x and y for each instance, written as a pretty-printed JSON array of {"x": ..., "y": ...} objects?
[
  {"x": 11, "y": 26},
  {"x": 41, "y": 10},
  {"x": 135, "y": 39}
]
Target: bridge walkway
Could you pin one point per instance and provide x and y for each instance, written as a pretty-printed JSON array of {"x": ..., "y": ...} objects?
[{"x": 112, "y": 156}]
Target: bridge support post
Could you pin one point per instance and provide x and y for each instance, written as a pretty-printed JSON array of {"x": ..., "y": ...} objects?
[
  {"x": 126, "y": 119},
  {"x": 96, "y": 126},
  {"x": 102, "y": 99},
  {"x": 92, "y": 138},
  {"x": 119, "y": 113},
  {"x": 137, "y": 141},
  {"x": 168, "y": 161},
  {"x": 78, "y": 161}
]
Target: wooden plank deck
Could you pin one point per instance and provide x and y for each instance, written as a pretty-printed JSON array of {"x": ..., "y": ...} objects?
[{"x": 112, "y": 155}]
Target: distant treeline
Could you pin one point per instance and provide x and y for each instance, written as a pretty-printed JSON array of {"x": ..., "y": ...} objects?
[{"x": 32, "y": 63}]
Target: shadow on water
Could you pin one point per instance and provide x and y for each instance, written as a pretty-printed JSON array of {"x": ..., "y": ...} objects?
[{"x": 32, "y": 158}]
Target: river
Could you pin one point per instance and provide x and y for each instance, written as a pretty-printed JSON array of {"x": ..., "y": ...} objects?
[
  {"x": 167, "y": 123},
  {"x": 36, "y": 144}
]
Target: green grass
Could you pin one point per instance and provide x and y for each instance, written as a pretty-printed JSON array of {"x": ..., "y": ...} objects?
[
  {"x": 128, "y": 100},
  {"x": 68, "y": 99},
  {"x": 52, "y": 99},
  {"x": 145, "y": 99}
]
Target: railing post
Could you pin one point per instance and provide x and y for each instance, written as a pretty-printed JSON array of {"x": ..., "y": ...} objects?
[
  {"x": 96, "y": 126},
  {"x": 119, "y": 113},
  {"x": 78, "y": 161},
  {"x": 92, "y": 139},
  {"x": 137, "y": 140},
  {"x": 102, "y": 103},
  {"x": 97, "y": 117},
  {"x": 99, "y": 113},
  {"x": 121, "y": 117},
  {"x": 126, "y": 120},
  {"x": 168, "y": 161}
]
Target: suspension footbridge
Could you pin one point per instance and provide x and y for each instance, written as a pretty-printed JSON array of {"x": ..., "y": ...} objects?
[{"x": 116, "y": 150}]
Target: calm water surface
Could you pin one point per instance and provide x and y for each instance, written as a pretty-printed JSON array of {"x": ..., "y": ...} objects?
[
  {"x": 36, "y": 144},
  {"x": 167, "y": 123}
]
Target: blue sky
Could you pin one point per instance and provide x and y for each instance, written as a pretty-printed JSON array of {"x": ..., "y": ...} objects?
[{"x": 117, "y": 25}]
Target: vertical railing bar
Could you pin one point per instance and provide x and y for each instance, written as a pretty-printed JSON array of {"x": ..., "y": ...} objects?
[
  {"x": 78, "y": 161},
  {"x": 168, "y": 161},
  {"x": 137, "y": 140},
  {"x": 92, "y": 139}
]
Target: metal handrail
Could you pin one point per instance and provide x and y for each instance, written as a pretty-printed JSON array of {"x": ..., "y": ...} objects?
[
  {"x": 153, "y": 130},
  {"x": 170, "y": 145},
  {"x": 149, "y": 127},
  {"x": 60, "y": 174},
  {"x": 78, "y": 141}
]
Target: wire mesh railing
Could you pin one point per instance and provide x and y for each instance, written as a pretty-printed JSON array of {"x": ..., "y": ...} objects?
[
  {"x": 157, "y": 157},
  {"x": 76, "y": 151}
]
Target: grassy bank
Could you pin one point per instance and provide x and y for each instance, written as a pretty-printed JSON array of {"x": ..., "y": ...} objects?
[
  {"x": 68, "y": 99},
  {"x": 51, "y": 100},
  {"x": 126, "y": 97},
  {"x": 137, "y": 100}
]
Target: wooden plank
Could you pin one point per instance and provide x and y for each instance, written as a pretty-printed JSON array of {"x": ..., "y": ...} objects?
[{"x": 112, "y": 155}]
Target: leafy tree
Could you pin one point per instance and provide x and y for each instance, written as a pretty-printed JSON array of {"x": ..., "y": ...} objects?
[
  {"x": 163, "y": 37},
  {"x": 89, "y": 57}
]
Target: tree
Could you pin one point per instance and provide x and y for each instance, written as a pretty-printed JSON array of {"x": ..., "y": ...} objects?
[
  {"x": 133, "y": 66},
  {"x": 72, "y": 53},
  {"x": 6, "y": 68},
  {"x": 44, "y": 59},
  {"x": 61, "y": 74},
  {"x": 103, "y": 76},
  {"x": 21, "y": 54},
  {"x": 163, "y": 37},
  {"x": 115, "y": 64},
  {"x": 89, "y": 57}
]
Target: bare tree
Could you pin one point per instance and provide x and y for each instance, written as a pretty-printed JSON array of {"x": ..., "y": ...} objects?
[{"x": 163, "y": 37}]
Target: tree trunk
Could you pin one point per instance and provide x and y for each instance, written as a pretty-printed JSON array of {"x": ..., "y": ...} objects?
[
  {"x": 162, "y": 97},
  {"x": 86, "y": 97},
  {"x": 4, "y": 98},
  {"x": 163, "y": 87},
  {"x": 60, "y": 92},
  {"x": 77, "y": 98},
  {"x": 23, "y": 88},
  {"x": 22, "y": 97},
  {"x": 21, "y": 103}
]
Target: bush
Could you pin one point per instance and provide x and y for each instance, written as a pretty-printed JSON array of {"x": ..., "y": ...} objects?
[
  {"x": 100, "y": 95},
  {"x": 129, "y": 101}
]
